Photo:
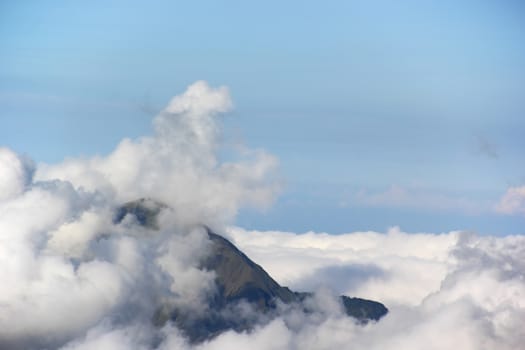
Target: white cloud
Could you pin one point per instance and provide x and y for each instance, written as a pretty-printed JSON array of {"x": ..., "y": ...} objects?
[
  {"x": 16, "y": 173},
  {"x": 394, "y": 267},
  {"x": 179, "y": 164},
  {"x": 67, "y": 269},
  {"x": 512, "y": 202},
  {"x": 444, "y": 290}
]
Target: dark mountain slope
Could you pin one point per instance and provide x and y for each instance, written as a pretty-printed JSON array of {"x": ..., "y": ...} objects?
[{"x": 238, "y": 277}]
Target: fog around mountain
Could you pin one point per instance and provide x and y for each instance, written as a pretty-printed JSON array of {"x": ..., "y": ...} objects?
[{"x": 73, "y": 278}]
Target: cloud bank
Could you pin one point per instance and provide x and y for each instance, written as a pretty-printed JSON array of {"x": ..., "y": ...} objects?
[
  {"x": 444, "y": 290},
  {"x": 72, "y": 278}
]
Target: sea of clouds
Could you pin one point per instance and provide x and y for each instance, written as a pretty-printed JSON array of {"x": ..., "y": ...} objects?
[{"x": 72, "y": 278}]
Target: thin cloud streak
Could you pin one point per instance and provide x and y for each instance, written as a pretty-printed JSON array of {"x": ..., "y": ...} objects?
[{"x": 403, "y": 197}]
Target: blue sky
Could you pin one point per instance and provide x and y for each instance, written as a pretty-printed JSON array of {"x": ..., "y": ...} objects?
[{"x": 382, "y": 113}]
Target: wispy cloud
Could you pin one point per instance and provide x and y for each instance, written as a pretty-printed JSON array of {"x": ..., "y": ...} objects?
[
  {"x": 484, "y": 147},
  {"x": 512, "y": 202},
  {"x": 403, "y": 197}
]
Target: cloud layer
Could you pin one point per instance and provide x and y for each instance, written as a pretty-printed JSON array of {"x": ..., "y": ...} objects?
[
  {"x": 445, "y": 290},
  {"x": 74, "y": 279}
]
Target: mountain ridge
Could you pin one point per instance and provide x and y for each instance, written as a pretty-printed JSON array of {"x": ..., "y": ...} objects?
[{"x": 240, "y": 281}]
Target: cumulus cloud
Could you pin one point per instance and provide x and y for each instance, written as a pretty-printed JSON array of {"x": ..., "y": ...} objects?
[
  {"x": 15, "y": 175},
  {"x": 179, "y": 165},
  {"x": 72, "y": 278},
  {"x": 512, "y": 202}
]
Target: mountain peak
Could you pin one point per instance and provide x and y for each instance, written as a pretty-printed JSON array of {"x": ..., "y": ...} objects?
[{"x": 239, "y": 280}]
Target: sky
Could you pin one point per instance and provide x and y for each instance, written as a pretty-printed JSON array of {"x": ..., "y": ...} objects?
[
  {"x": 366, "y": 148},
  {"x": 379, "y": 113}
]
